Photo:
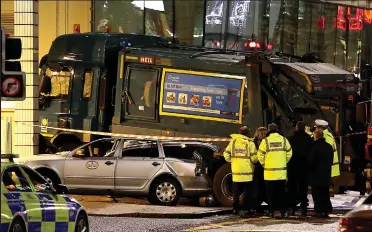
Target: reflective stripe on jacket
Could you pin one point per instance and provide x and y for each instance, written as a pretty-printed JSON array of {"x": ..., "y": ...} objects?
[
  {"x": 242, "y": 153},
  {"x": 331, "y": 141},
  {"x": 274, "y": 153}
]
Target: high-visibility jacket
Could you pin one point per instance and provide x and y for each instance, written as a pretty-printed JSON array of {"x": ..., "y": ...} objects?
[
  {"x": 242, "y": 153},
  {"x": 274, "y": 153},
  {"x": 331, "y": 141}
]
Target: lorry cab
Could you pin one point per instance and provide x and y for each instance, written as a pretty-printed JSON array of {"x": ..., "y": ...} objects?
[{"x": 77, "y": 84}]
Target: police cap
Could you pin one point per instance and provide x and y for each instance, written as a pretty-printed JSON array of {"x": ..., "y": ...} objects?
[{"x": 320, "y": 122}]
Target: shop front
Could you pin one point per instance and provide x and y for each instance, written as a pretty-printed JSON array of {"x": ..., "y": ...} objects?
[{"x": 336, "y": 33}]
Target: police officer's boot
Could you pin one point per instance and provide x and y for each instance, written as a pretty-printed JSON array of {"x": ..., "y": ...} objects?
[
  {"x": 304, "y": 212},
  {"x": 284, "y": 214},
  {"x": 269, "y": 213}
]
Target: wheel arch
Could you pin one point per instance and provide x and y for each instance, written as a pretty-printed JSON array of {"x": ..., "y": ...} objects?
[
  {"x": 43, "y": 169},
  {"x": 20, "y": 216},
  {"x": 165, "y": 175}
]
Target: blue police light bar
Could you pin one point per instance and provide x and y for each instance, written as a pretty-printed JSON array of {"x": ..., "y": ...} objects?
[{"x": 9, "y": 156}]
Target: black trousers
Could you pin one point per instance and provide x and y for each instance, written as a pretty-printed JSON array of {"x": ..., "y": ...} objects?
[
  {"x": 247, "y": 188},
  {"x": 260, "y": 192},
  {"x": 297, "y": 191},
  {"x": 276, "y": 197},
  {"x": 321, "y": 198}
]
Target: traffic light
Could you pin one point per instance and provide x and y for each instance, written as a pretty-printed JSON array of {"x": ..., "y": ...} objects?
[{"x": 13, "y": 81}]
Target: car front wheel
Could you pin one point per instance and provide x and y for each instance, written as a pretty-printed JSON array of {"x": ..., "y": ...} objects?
[
  {"x": 82, "y": 224},
  {"x": 165, "y": 191},
  {"x": 17, "y": 226}
]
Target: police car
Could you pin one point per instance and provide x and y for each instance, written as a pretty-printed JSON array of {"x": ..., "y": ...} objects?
[{"x": 30, "y": 202}]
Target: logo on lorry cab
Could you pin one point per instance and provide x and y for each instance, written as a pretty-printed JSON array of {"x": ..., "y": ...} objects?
[
  {"x": 315, "y": 78},
  {"x": 92, "y": 165},
  {"x": 146, "y": 60}
]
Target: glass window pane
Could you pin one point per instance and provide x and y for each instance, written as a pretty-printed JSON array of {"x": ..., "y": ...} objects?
[
  {"x": 15, "y": 181},
  {"x": 329, "y": 22},
  {"x": 189, "y": 21},
  {"x": 120, "y": 16},
  {"x": 276, "y": 24},
  {"x": 214, "y": 23},
  {"x": 245, "y": 22},
  {"x": 39, "y": 183},
  {"x": 290, "y": 16},
  {"x": 340, "y": 57},
  {"x": 88, "y": 84},
  {"x": 304, "y": 27},
  {"x": 159, "y": 18},
  {"x": 317, "y": 33},
  {"x": 366, "y": 42},
  {"x": 354, "y": 40},
  {"x": 142, "y": 91}
]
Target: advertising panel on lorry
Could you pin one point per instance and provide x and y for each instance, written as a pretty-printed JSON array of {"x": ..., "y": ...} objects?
[{"x": 201, "y": 95}]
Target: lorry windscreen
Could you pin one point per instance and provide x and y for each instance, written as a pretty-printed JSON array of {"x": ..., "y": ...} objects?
[{"x": 55, "y": 84}]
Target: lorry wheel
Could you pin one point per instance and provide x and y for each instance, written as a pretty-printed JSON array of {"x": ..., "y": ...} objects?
[{"x": 222, "y": 186}]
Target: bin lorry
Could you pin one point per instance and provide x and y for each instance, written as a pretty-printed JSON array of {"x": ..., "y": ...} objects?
[{"x": 171, "y": 90}]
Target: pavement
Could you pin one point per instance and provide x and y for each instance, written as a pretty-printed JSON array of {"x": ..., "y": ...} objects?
[{"x": 104, "y": 206}]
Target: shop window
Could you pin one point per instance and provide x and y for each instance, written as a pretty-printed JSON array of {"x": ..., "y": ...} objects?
[
  {"x": 290, "y": 20},
  {"x": 329, "y": 30},
  {"x": 341, "y": 46},
  {"x": 354, "y": 40},
  {"x": 159, "y": 18},
  {"x": 88, "y": 85},
  {"x": 276, "y": 24},
  {"x": 317, "y": 32},
  {"x": 120, "y": 16},
  {"x": 304, "y": 27},
  {"x": 141, "y": 94},
  {"x": 189, "y": 22},
  {"x": 215, "y": 16}
]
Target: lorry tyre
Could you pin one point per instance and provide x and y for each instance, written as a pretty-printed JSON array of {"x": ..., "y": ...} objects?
[
  {"x": 222, "y": 186},
  {"x": 165, "y": 191}
]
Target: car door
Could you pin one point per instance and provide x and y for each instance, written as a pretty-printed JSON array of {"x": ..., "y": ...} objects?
[
  {"x": 54, "y": 205},
  {"x": 21, "y": 198},
  {"x": 139, "y": 162},
  {"x": 92, "y": 166}
]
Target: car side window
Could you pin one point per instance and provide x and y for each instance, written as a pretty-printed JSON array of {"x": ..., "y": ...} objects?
[
  {"x": 101, "y": 148},
  {"x": 15, "y": 181},
  {"x": 39, "y": 183},
  {"x": 143, "y": 149}
]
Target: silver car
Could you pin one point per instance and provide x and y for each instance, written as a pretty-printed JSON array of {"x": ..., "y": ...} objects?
[{"x": 161, "y": 170}]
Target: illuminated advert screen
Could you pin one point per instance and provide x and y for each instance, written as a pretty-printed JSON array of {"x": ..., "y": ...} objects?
[{"x": 200, "y": 95}]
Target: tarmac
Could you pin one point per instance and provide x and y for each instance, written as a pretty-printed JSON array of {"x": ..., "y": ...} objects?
[{"x": 105, "y": 206}]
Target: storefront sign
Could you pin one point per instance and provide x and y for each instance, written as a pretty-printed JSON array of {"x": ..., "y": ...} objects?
[{"x": 207, "y": 96}]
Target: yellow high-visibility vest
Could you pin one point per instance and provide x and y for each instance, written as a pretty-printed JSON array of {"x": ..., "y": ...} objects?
[
  {"x": 242, "y": 153},
  {"x": 274, "y": 153}
]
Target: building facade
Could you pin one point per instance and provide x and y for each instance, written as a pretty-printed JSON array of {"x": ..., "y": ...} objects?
[{"x": 336, "y": 31}]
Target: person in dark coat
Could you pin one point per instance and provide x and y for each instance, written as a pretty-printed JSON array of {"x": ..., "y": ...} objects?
[
  {"x": 301, "y": 143},
  {"x": 258, "y": 177},
  {"x": 320, "y": 163}
]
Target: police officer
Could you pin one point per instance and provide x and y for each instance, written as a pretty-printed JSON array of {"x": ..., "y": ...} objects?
[
  {"x": 323, "y": 125},
  {"x": 274, "y": 153},
  {"x": 320, "y": 163},
  {"x": 242, "y": 154}
]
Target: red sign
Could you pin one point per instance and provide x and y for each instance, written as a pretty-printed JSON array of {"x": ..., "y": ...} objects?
[
  {"x": 146, "y": 60},
  {"x": 10, "y": 86},
  {"x": 76, "y": 28}
]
